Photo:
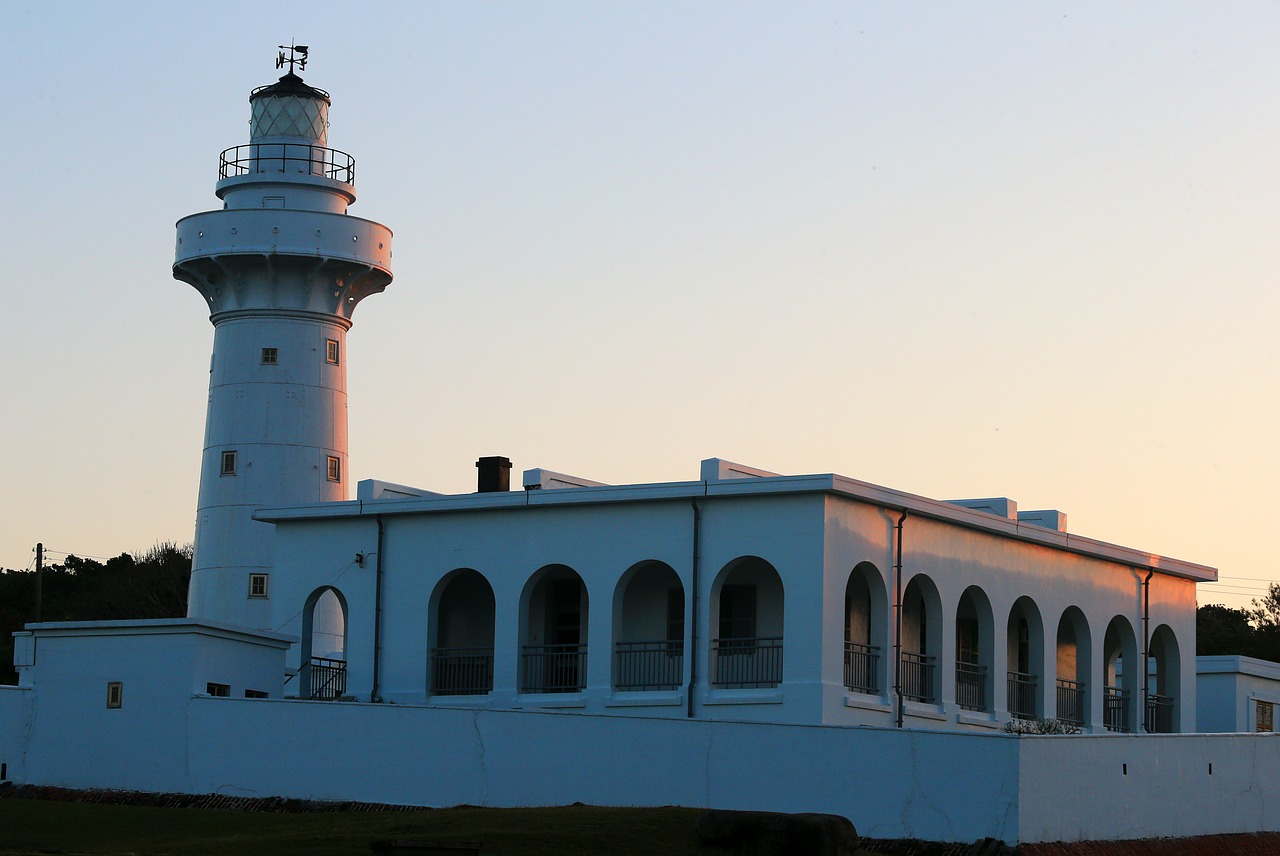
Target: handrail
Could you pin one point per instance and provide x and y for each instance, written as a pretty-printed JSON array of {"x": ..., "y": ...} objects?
[{"x": 301, "y": 158}]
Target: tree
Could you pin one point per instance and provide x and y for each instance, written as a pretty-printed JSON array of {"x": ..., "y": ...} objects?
[
  {"x": 146, "y": 584},
  {"x": 1265, "y": 613},
  {"x": 1222, "y": 630}
]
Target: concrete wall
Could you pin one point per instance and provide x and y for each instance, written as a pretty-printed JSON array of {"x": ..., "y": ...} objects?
[
  {"x": 1148, "y": 786},
  {"x": 1229, "y": 688},
  {"x": 891, "y": 783},
  {"x": 16, "y": 714},
  {"x": 937, "y": 785}
]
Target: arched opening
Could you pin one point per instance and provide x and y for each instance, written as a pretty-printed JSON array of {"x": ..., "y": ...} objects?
[
  {"x": 1073, "y": 659},
  {"x": 1026, "y": 659},
  {"x": 462, "y": 622},
  {"x": 553, "y": 653},
  {"x": 648, "y": 629},
  {"x": 747, "y": 600},
  {"x": 1163, "y": 682},
  {"x": 323, "y": 671},
  {"x": 975, "y": 648},
  {"x": 864, "y": 629},
  {"x": 918, "y": 676},
  {"x": 1120, "y": 671}
]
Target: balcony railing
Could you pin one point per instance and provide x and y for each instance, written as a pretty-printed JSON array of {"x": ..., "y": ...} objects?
[
  {"x": 1071, "y": 702},
  {"x": 1115, "y": 708},
  {"x": 553, "y": 668},
  {"x": 917, "y": 677},
  {"x": 1022, "y": 695},
  {"x": 746, "y": 663},
  {"x": 326, "y": 678},
  {"x": 1159, "y": 714},
  {"x": 862, "y": 668},
  {"x": 971, "y": 685},
  {"x": 461, "y": 671},
  {"x": 298, "y": 158},
  {"x": 639, "y": 666}
]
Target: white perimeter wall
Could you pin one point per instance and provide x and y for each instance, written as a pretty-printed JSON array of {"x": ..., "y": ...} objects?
[
  {"x": 944, "y": 786},
  {"x": 15, "y": 715},
  {"x": 930, "y": 785},
  {"x": 1149, "y": 786}
]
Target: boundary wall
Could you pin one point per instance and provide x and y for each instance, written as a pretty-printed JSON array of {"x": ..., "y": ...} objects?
[{"x": 931, "y": 785}]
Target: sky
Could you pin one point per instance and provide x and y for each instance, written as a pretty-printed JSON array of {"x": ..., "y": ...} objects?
[{"x": 961, "y": 250}]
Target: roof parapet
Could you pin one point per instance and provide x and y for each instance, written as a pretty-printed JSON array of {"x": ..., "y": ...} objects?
[
  {"x": 1000, "y": 506},
  {"x": 718, "y": 469},
  {"x": 541, "y": 479}
]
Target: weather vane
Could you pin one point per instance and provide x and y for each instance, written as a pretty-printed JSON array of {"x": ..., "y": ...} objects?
[{"x": 297, "y": 54}]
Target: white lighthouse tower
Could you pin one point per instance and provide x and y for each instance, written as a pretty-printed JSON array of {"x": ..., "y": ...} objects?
[{"x": 282, "y": 267}]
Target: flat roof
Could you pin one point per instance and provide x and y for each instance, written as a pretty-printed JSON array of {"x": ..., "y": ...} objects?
[{"x": 830, "y": 483}]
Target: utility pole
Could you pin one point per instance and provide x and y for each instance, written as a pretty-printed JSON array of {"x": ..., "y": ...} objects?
[{"x": 39, "y": 577}]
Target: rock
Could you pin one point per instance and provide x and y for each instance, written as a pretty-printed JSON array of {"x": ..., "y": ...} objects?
[{"x": 766, "y": 833}]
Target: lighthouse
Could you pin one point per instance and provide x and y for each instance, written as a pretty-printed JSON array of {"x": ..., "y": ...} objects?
[{"x": 282, "y": 267}]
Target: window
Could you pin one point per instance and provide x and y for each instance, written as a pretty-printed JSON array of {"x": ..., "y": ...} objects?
[
  {"x": 115, "y": 694},
  {"x": 331, "y": 351},
  {"x": 335, "y": 469},
  {"x": 219, "y": 690},
  {"x": 270, "y": 356},
  {"x": 257, "y": 585},
  {"x": 738, "y": 612},
  {"x": 255, "y": 694},
  {"x": 228, "y": 463},
  {"x": 1265, "y": 716}
]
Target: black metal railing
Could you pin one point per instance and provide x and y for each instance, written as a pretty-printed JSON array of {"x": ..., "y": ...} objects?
[
  {"x": 1115, "y": 709},
  {"x": 917, "y": 677},
  {"x": 746, "y": 663},
  {"x": 326, "y": 678},
  {"x": 971, "y": 685},
  {"x": 1071, "y": 702},
  {"x": 300, "y": 158},
  {"x": 461, "y": 671},
  {"x": 1022, "y": 695},
  {"x": 553, "y": 668},
  {"x": 862, "y": 668},
  {"x": 639, "y": 666},
  {"x": 1159, "y": 714}
]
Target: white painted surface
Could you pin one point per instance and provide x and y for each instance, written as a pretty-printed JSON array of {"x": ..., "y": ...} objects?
[
  {"x": 1228, "y": 689},
  {"x": 281, "y": 267},
  {"x": 17, "y": 714},
  {"x": 1104, "y": 787},
  {"x": 807, "y": 528}
]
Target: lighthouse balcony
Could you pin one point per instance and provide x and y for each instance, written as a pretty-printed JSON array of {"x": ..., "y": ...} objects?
[
  {"x": 283, "y": 232},
  {"x": 288, "y": 158}
]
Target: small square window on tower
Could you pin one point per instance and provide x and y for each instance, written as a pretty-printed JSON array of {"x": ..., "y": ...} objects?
[
  {"x": 270, "y": 356},
  {"x": 115, "y": 694},
  {"x": 331, "y": 351},
  {"x": 335, "y": 469},
  {"x": 228, "y": 463},
  {"x": 218, "y": 690},
  {"x": 257, "y": 585}
]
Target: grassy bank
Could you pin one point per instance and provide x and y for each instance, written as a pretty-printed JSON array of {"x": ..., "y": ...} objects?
[{"x": 35, "y": 826}]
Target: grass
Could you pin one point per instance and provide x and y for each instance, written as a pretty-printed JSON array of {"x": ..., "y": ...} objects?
[{"x": 29, "y": 826}]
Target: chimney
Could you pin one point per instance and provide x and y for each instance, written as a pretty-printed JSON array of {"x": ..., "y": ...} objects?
[{"x": 494, "y": 475}]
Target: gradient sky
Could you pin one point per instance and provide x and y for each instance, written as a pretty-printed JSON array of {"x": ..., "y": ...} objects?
[{"x": 962, "y": 250}]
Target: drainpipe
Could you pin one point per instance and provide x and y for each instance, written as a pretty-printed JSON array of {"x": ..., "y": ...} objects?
[
  {"x": 1146, "y": 646},
  {"x": 897, "y": 619},
  {"x": 377, "y": 611},
  {"x": 693, "y": 609}
]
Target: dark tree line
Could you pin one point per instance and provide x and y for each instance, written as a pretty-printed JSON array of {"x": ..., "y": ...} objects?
[
  {"x": 1253, "y": 632},
  {"x": 149, "y": 584}
]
